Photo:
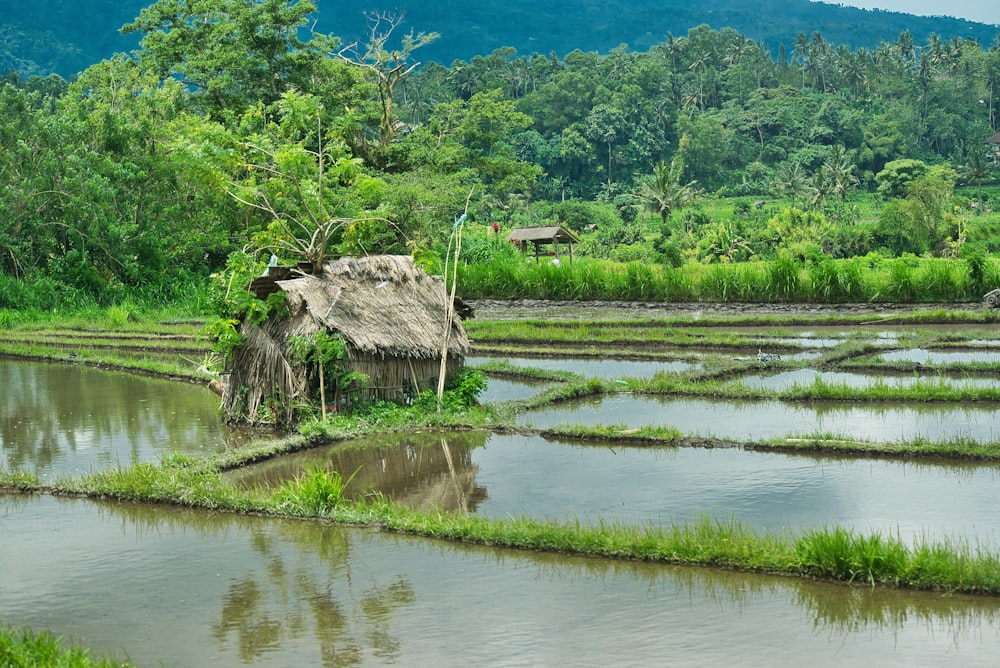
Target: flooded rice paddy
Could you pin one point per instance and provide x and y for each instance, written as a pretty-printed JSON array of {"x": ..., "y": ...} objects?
[
  {"x": 761, "y": 420},
  {"x": 195, "y": 588},
  {"x": 784, "y": 380},
  {"x": 58, "y": 419},
  {"x": 594, "y": 367},
  {"x": 201, "y": 588},
  {"x": 513, "y": 475},
  {"x": 924, "y": 356}
]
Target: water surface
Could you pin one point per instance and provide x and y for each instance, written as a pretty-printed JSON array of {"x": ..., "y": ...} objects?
[
  {"x": 59, "y": 419},
  {"x": 757, "y": 420},
  {"x": 514, "y": 475},
  {"x": 594, "y": 367},
  {"x": 507, "y": 389},
  {"x": 785, "y": 380},
  {"x": 198, "y": 589},
  {"x": 924, "y": 356}
]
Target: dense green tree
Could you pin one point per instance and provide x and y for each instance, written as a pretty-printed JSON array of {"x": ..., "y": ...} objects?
[
  {"x": 895, "y": 178},
  {"x": 234, "y": 52},
  {"x": 705, "y": 146}
]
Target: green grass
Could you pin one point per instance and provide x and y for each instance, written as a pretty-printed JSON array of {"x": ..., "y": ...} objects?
[
  {"x": 785, "y": 279},
  {"x": 317, "y": 492},
  {"x": 830, "y": 552},
  {"x": 23, "y": 648}
]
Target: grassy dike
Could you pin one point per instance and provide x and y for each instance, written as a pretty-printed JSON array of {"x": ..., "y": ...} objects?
[
  {"x": 830, "y": 553},
  {"x": 27, "y": 649}
]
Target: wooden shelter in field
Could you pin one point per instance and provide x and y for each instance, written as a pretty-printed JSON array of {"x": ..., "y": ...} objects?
[
  {"x": 994, "y": 143},
  {"x": 551, "y": 235},
  {"x": 392, "y": 316}
]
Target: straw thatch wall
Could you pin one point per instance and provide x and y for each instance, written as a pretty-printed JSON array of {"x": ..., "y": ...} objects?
[{"x": 392, "y": 316}]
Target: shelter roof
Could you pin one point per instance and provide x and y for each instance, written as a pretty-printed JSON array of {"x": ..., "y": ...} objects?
[
  {"x": 995, "y": 139},
  {"x": 380, "y": 304},
  {"x": 548, "y": 234}
]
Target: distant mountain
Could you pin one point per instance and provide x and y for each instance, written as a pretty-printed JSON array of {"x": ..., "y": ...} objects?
[{"x": 66, "y": 36}]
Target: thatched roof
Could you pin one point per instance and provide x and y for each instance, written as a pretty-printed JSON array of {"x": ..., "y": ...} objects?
[
  {"x": 382, "y": 305},
  {"x": 543, "y": 235},
  {"x": 995, "y": 139}
]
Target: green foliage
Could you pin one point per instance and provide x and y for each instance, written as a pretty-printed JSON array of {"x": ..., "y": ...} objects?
[
  {"x": 234, "y": 128},
  {"x": 465, "y": 389},
  {"x": 895, "y": 178},
  {"x": 225, "y": 333},
  {"x": 120, "y": 315},
  {"x": 230, "y": 51},
  {"x": 578, "y": 215},
  {"x": 483, "y": 248},
  {"x": 27, "y": 649},
  {"x": 784, "y": 278},
  {"x": 317, "y": 492},
  {"x": 837, "y": 282},
  {"x": 328, "y": 352},
  {"x": 664, "y": 192}
]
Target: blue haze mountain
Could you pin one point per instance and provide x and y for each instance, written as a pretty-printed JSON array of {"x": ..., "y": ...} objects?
[{"x": 65, "y": 36}]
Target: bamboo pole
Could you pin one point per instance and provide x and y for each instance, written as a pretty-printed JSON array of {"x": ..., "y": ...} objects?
[
  {"x": 322, "y": 389},
  {"x": 450, "y": 306}
]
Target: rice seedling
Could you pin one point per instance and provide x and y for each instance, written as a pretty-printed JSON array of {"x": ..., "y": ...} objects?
[
  {"x": 318, "y": 491},
  {"x": 619, "y": 434}
]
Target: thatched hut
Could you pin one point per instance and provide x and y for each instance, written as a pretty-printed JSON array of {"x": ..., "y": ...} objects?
[
  {"x": 551, "y": 235},
  {"x": 392, "y": 316}
]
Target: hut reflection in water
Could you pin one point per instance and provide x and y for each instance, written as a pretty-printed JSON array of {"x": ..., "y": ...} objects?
[{"x": 418, "y": 470}]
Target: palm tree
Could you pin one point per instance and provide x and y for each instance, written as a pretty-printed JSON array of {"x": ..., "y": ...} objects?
[
  {"x": 663, "y": 193},
  {"x": 840, "y": 172},
  {"x": 800, "y": 52},
  {"x": 790, "y": 179},
  {"x": 905, "y": 46}
]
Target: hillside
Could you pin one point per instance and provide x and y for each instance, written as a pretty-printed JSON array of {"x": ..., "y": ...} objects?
[{"x": 65, "y": 37}]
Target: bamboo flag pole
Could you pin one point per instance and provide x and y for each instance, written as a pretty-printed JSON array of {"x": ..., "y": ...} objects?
[{"x": 456, "y": 234}]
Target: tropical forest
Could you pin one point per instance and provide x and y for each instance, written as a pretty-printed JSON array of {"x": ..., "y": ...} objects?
[{"x": 147, "y": 173}]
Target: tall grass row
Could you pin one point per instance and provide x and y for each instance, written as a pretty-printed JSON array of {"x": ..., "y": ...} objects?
[{"x": 783, "y": 280}]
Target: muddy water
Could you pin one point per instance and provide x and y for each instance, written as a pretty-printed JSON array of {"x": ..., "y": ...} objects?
[
  {"x": 784, "y": 380},
  {"x": 59, "y": 419},
  {"x": 505, "y": 389},
  {"x": 755, "y": 420},
  {"x": 924, "y": 356},
  {"x": 503, "y": 475},
  {"x": 593, "y": 367},
  {"x": 198, "y": 589}
]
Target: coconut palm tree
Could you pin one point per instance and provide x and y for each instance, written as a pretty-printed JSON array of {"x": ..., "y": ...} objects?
[
  {"x": 790, "y": 179},
  {"x": 840, "y": 172},
  {"x": 663, "y": 193}
]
